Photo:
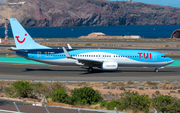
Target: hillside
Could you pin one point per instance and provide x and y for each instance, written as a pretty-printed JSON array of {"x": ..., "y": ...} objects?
[{"x": 40, "y": 13}]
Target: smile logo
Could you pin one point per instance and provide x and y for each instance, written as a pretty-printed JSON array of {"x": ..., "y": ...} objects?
[{"x": 19, "y": 40}]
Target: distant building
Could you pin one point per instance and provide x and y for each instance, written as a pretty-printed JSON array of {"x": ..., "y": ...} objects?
[
  {"x": 14, "y": 3},
  {"x": 176, "y": 34},
  {"x": 97, "y": 34},
  {"x": 2, "y": 40},
  {"x": 129, "y": 0}
]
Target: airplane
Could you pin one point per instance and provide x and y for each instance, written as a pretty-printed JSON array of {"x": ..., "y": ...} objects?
[{"x": 105, "y": 59}]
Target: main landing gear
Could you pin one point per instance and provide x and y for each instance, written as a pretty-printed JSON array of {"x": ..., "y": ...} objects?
[
  {"x": 156, "y": 70},
  {"x": 90, "y": 69}
]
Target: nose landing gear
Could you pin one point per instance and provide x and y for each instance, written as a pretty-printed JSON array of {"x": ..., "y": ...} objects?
[{"x": 157, "y": 69}]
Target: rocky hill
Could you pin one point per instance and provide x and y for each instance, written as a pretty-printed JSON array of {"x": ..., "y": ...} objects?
[{"x": 40, "y": 13}]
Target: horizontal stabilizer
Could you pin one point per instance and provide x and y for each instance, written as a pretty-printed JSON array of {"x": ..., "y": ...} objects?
[{"x": 17, "y": 50}]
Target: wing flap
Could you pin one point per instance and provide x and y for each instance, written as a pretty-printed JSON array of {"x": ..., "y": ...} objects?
[{"x": 88, "y": 60}]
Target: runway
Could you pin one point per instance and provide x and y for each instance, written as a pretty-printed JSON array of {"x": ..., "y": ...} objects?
[
  {"x": 6, "y": 46},
  {"x": 159, "y": 49},
  {"x": 10, "y": 71}
]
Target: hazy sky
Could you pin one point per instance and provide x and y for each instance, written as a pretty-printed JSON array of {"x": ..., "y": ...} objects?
[{"x": 173, "y": 3}]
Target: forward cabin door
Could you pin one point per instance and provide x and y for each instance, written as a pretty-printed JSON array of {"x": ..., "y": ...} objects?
[
  {"x": 154, "y": 57},
  {"x": 39, "y": 55}
]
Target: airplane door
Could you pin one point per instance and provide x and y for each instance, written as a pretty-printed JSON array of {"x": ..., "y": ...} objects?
[
  {"x": 38, "y": 55},
  {"x": 154, "y": 57}
]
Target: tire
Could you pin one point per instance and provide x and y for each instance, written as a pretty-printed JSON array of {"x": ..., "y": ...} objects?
[
  {"x": 90, "y": 69},
  {"x": 156, "y": 70}
]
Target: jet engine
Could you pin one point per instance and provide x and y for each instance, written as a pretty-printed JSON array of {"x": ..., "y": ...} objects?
[{"x": 111, "y": 66}]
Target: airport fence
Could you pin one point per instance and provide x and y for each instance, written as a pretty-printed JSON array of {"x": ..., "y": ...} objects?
[
  {"x": 6, "y": 111},
  {"x": 46, "y": 108},
  {"x": 78, "y": 109}
]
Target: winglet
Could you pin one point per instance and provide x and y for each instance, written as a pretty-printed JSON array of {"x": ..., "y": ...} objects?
[
  {"x": 66, "y": 53},
  {"x": 69, "y": 46}
]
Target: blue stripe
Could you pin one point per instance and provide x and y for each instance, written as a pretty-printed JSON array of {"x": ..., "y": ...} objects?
[{"x": 44, "y": 52}]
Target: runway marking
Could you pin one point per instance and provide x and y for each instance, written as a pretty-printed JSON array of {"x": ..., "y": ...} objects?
[
  {"x": 23, "y": 60},
  {"x": 145, "y": 67},
  {"x": 19, "y": 60},
  {"x": 20, "y": 64},
  {"x": 53, "y": 65}
]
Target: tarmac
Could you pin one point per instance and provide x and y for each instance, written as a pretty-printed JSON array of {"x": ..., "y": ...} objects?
[
  {"x": 36, "y": 72},
  {"x": 18, "y": 68},
  {"x": 22, "y": 60}
]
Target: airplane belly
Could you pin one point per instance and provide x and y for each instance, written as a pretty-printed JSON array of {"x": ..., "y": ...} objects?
[
  {"x": 65, "y": 62},
  {"x": 134, "y": 63}
]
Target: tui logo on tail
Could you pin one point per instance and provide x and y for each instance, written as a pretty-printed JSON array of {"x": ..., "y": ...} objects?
[{"x": 19, "y": 40}]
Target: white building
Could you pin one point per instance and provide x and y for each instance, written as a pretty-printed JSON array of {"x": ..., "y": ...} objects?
[
  {"x": 2, "y": 40},
  {"x": 11, "y": 3}
]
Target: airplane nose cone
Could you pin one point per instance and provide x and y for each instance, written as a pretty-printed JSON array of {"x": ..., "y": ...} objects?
[{"x": 170, "y": 61}]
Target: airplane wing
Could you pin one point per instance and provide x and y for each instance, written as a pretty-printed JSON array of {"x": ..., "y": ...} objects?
[
  {"x": 82, "y": 60},
  {"x": 89, "y": 62}
]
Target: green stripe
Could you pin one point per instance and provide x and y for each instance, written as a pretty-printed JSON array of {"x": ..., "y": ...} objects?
[
  {"x": 19, "y": 60},
  {"x": 25, "y": 61},
  {"x": 175, "y": 63}
]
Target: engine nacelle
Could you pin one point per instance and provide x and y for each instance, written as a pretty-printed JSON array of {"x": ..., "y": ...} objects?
[{"x": 109, "y": 66}]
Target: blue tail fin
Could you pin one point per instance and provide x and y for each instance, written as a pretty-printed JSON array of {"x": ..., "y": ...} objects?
[{"x": 22, "y": 39}]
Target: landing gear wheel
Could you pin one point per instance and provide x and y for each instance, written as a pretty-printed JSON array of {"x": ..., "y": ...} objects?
[
  {"x": 90, "y": 69},
  {"x": 156, "y": 70}
]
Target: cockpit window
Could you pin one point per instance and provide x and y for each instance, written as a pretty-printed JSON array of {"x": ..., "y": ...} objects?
[{"x": 163, "y": 56}]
